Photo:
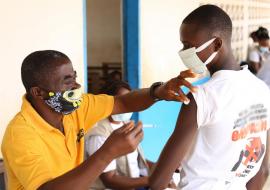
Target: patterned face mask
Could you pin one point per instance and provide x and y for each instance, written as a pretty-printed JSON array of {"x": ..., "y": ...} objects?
[{"x": 65, "y": 102}]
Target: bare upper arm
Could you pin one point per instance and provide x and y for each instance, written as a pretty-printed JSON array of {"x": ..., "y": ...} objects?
[{"x": 177, "y": 145}]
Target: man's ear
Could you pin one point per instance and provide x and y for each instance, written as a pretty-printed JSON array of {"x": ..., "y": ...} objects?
[
  {"x": 36, "y": 92},
  {"x": 218, "y": 43}
]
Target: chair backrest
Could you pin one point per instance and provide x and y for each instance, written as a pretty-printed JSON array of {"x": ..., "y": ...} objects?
[{"x": 3, "y": 178}]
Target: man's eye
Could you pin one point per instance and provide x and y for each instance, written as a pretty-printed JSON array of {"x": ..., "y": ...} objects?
[{"x": 69, "y": 82}]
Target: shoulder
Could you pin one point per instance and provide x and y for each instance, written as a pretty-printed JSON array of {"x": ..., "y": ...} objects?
[
  {"x": 91, "y": 98},
  {"x": 97, "y": 103},
  {"x": 19, "y": 128},
  {"x": 21, "y": 134},
  {"x": 101, "y": 128},
  {"x": 204, "y": 91},
  {"x": 254, "y": 54},
  {"x": 206, "y": 99},
  {"x": 92, "y": 109},
  {"x": 254, "y": 50}
]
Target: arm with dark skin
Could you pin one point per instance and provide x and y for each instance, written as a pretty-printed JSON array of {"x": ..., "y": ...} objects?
[
  {"x": 255, "y": 66},
  {"x": 139, "y": 100},
  {"x": 86, "y": 173},
  {"x": 150, "y": 164},
  {"x": 258, "y": 181},
  {"x": 176, "y": 147},
  {"x": 114, "y": 181}
]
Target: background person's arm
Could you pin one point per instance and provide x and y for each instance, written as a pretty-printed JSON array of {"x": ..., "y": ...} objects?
[
  {"x": 150, "y": 164},
  {"x": 255, "y": 66},
  {"x": 176, "y": 147},
  {"x": 86, "y": 173},
  {"x": 139, "y": 100},
  {"x": 254, "y": 60},
  {"x": 258, "y": 181},
  {"x": 114, "y": 181}
]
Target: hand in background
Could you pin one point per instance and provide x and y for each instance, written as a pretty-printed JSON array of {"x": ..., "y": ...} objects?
[{"x": 124, "y": 140}]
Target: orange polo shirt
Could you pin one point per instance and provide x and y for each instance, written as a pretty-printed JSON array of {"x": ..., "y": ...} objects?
[{"x": 35, "y": 152}]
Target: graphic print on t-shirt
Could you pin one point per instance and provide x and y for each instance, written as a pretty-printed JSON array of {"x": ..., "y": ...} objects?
[{"x": 248, "y": 127}]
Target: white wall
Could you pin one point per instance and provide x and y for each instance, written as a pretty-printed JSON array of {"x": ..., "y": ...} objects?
[
  {"x": 159, "y": 38},
  {"x": 31, "y": 25},
  {"x": 159, "y": 25},
  {"x": 104, "y": 31}
]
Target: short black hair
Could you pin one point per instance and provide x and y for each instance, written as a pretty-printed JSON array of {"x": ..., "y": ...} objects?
[
  {"x": 212, "y": 18},
  {"x": 112, "y": 87},
  {"x": 262, "y": 33},
  {"x": 37, "y": 66},
  {"x": 253, "y": 34},
  {"x": 114, "y": 74}
]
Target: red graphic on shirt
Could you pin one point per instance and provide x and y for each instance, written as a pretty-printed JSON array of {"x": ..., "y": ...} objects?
[
  {"x": 254, "y": 150},
  {"x": 252, "y": 153},
  {"x": 250, "y": 128}
]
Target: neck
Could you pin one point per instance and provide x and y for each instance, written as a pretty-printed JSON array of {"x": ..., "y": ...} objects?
[
  {"x": 55, "y": 119},
  {"x": 227, "y": 62}
]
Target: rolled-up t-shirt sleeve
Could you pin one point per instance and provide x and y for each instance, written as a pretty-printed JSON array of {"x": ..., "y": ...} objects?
[
  {"x": 203, "y": 106},
  {"x": 254, "y": 56}
]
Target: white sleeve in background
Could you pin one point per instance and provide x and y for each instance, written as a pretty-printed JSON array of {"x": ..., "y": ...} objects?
[
  {"x": 254, "y": 56},
  {"x": 92, "y": 144}
]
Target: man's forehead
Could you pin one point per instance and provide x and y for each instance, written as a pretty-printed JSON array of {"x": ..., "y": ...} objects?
[{"x": 62, "y": 70}]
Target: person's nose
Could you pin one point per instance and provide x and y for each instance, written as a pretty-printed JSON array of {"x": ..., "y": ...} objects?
[{"x": 76, "y": 85}]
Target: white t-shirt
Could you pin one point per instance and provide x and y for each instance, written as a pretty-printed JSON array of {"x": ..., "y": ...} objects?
[
  {"x": 232, "y": 115},
  {"x": 264, "y": 72},
  {"x": 256, "y": 56},
  {"x": 93, "y": 143},
  {"x": 251, "y": 47}
]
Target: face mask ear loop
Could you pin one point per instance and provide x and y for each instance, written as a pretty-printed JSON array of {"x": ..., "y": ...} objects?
[
  {"x": 210, "y": 58},
  {"x": 205, "y": 45}
]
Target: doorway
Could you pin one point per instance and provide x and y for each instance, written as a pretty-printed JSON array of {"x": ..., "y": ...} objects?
[{"x": 104, "y": 42}]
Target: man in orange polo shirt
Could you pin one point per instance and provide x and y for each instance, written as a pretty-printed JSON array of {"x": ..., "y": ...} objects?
[{"x": 43, "y": 145}]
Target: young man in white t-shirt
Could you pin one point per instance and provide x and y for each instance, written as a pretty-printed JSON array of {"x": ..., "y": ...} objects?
[{"x": 220, "y": 138}]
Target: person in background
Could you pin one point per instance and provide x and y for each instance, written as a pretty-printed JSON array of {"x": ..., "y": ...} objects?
[
  {"x": 115, "y": 75},
  {"x": 253, "y": 36},
  {"x": 264, "y": 71},
  {"x": 252, "y": 44},
  {"x": 129, "y": 171},
  {"x": 260, "y": 53}
]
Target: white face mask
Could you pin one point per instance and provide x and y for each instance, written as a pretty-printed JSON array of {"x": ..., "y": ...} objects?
[
  {"x": 122, "y": 117},
  {"x": 193, "y": 62},
  {"x": 263, "y": 49}
]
